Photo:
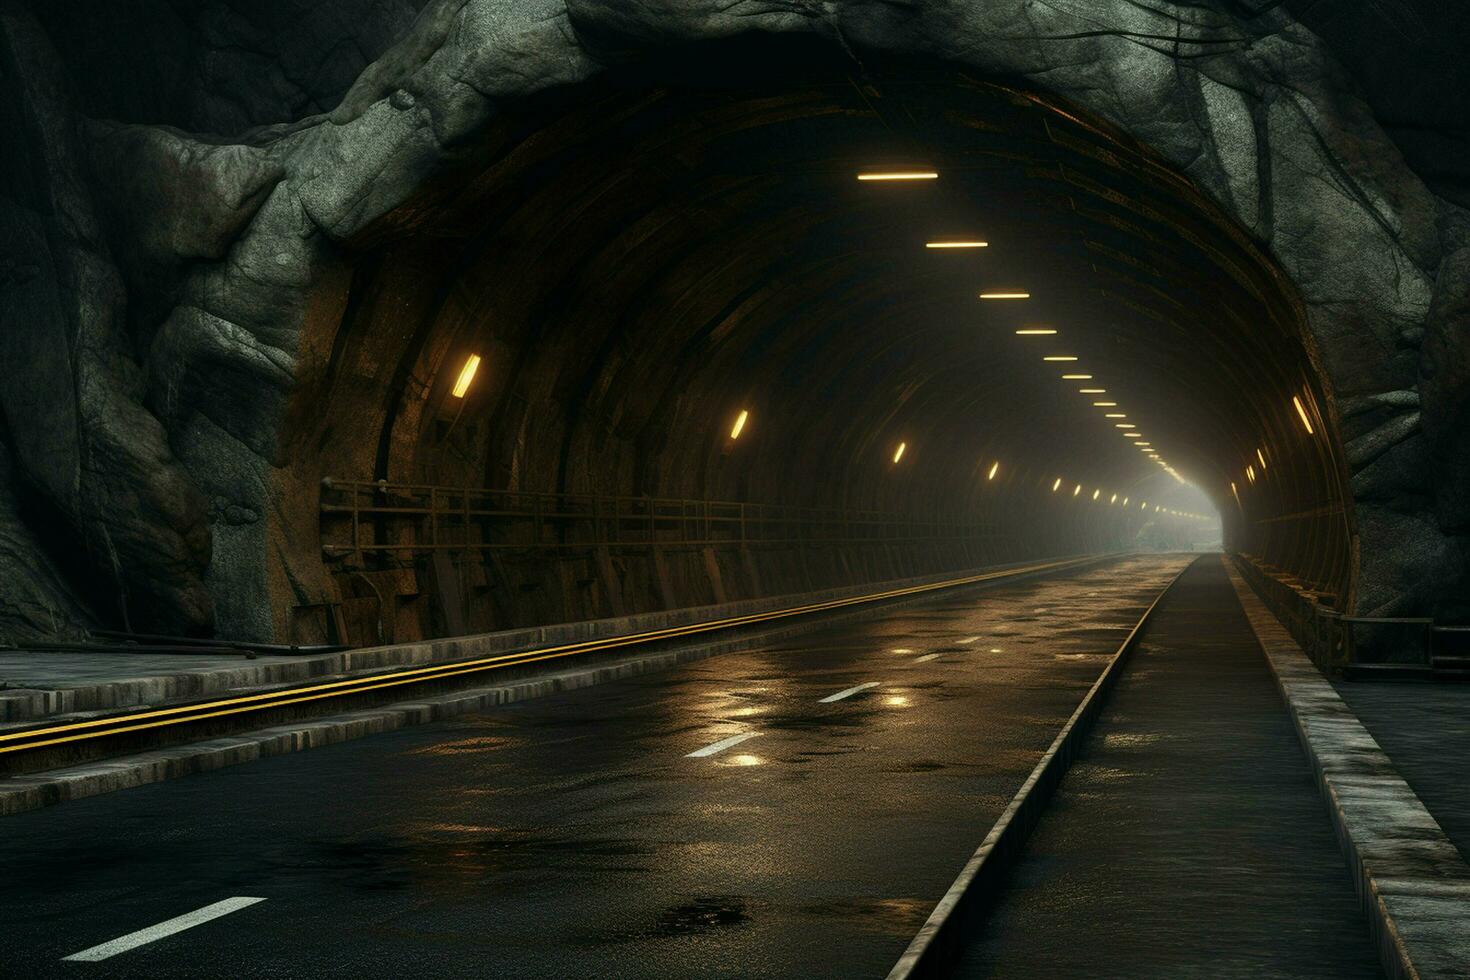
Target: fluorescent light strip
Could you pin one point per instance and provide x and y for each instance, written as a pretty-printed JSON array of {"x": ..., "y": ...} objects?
[{"x": 899, "y": 175}]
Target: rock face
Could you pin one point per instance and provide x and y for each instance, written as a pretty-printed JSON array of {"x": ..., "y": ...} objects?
[{"x": 155, "y": 286}]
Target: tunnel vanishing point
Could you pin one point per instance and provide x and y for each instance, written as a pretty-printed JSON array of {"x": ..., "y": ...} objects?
[{"x": 365, "y": 322}]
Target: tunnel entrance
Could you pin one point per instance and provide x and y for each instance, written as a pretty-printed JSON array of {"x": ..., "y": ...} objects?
[{"x": 717, "y": 354}]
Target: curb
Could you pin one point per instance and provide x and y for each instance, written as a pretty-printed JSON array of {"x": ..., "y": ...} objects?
[
  {"x": 1412, "y": 883},
  {"x": 940, "y": 940},
  {"x": 21, "y": 793}
]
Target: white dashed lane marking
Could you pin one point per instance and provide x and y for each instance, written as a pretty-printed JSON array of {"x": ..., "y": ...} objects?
[
  {"x": 848, "y": 693},
  {"x": 720, "y": 746},
  {"x": 164, "y": 929}
]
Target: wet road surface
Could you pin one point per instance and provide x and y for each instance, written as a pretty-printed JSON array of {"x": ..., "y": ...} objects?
[{"x": 578, "y": 836}]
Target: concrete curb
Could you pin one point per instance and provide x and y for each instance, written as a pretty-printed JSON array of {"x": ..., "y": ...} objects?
[
  {"x": 20, "y": 793},
  {"x": 941, "y": 939},
  {"x": 25, "y": 703},
  {"x": 1412, "y": 883}
]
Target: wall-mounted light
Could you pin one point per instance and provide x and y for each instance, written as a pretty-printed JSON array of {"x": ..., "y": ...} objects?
[
  {"x": 1114, "y": 499},
  {"x": 1077, "y": 490},
  {"x": 1092, "y": 391},
  {"x": 1125, "y": 501},
  {"x": 1116, "y": 415},
  {"x": 1013, "y": 294},
  {"x": 1300, "y": 410},
  {"x": 1262, "y": 457},
  {"x": 1076, "y": 377},
  {"x": 1059, "y": 357},
  {"x": 898, "y": 453},
  {"x": 466, "y": 375},
  {"x": 1056, "y": 485},
  {"x": 1104, "y": 404},
  {"x": 739, "y": 424},
  {"x": 994, "y": 468},
  {"x": 1096, "y": 494},
  {"x": 1035, "y": 332},
  {"x": 1250, "y": 473},
  {"x": 899, "y": 175},
  {"x": 969, "y": 244}
]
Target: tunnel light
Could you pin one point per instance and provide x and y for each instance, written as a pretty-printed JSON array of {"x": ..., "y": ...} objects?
[
  {"x": 739, "y": 424},
  {"x": 1262, "y": 457},
  {"x": 1014, "y": 294},
  {"x": 1056, "y": 485},
  {"x": 1114, "y": 499},
  {"x": 994, "y": 468},
  {"x": 1059, "y": 357},
  {"x": 1096, "y": 494},
  {"x": 1131, "y": 435},
  {"x": 1125, "y": 501},
  {"x": 1250, "y": 473},
  {"x": 1077, "y": 490},
  {"x": 899, "y": 175},
  {"x": 898, "y": 453},
  {"x": 1143, "y": 506},
  {"x": 1076, "y": 377},
  {"x": 1300, "y": 410},
  {"x": 466, "y": 375},
  {"x": 1156, "y": 508},
  {"x": 1122, "y": 425},
  {"x": 1145, "y": 445},
  {"x": 1115, "y": 415},
  {"x": 1104, "y": 404},
  {"x": 1093, "y": 391},
  {"x": 1236, "y": 494},
  {"x": 956, "y": 244},
  {"x": 1035, "y": 332}
]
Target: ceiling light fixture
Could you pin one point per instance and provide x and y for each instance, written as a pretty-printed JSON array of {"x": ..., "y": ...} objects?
[
  {"x": 899, "y": 175},
  {"x": 466, "y": 375}
]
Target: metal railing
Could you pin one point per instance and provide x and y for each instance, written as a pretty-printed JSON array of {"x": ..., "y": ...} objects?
[
  {"x": 360, "y": 518},
  {"x": 1333, "y": 639}
]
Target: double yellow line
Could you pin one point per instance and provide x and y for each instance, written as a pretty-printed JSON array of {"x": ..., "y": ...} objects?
[{"x": 37, "y": 738}]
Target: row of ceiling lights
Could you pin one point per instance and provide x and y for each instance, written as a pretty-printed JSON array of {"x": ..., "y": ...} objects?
[
  {"x": 901, "y": 449},
  {"x": 1129, "y": 429}
]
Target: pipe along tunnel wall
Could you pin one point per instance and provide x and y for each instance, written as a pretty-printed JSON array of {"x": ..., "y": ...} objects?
[{"x": 642, "y": 238}]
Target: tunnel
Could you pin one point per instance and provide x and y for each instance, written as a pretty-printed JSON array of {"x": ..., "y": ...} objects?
[
  {"x": 638, "y": 260},
  {"x": 645, "y": 227},
  {"x": 735, "y": 488}
]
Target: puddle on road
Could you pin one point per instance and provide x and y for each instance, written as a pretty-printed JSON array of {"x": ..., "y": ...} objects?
[{"x": 703, "y": 915}]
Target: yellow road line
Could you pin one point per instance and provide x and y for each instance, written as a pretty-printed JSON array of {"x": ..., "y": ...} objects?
[{"x": 98, "y": 727}]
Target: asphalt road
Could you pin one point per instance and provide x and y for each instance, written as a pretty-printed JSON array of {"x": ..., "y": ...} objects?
[{"x": 575, "y": 836}]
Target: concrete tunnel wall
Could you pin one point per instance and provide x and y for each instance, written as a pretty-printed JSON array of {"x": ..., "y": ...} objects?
[{"x": 253, "y": 279}]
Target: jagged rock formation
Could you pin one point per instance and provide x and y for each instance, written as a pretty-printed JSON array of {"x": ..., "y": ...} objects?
[{"x": 156, "y": 285}]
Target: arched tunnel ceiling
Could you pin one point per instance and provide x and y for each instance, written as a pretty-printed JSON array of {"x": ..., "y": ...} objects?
[
  {"x": 641, "y": 260},
  {"x": 217, "y": 272},
  {"x": 724, "y": 228}
]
